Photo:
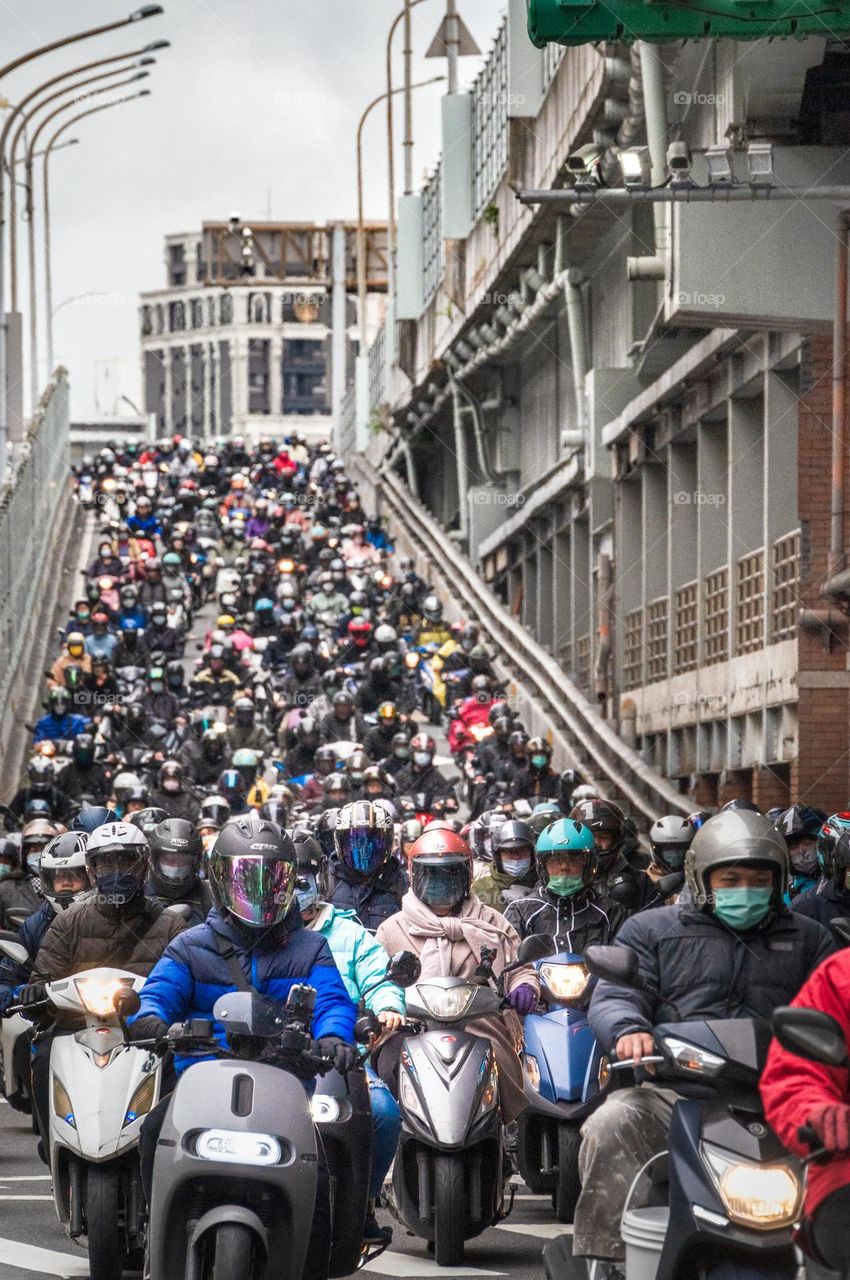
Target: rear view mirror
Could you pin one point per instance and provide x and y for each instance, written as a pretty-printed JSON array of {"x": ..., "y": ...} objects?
[
  {"x": 404, "y": 969},
  {"x": 126, "y": 1002},
  {"x": 14, "y": 951},
  {"x": 841, "y": 931},
  {"x": 536, "y": 947},
  {"x": 811, "y": 1034},
  {"x": 614, "y": 964}
]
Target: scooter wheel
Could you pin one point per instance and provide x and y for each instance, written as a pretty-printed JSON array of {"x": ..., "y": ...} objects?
[
  {"x": 234, "y": 1253},
  {"x": 104, "y": 1231},
  {"x": 568, "y": 1183},
  {"x": 449, "y": 1210}
]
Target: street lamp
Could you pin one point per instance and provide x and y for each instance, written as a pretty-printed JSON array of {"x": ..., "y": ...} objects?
[
  {"x": 64, "y": 106},
  {"x": 48, "y": 150}
]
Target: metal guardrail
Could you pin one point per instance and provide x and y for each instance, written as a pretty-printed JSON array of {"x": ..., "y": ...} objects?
[
  {"x": 30, "y": 506},
  {"x": 589, "y": 743}
]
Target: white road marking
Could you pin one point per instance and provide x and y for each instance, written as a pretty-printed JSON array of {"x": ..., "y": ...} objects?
[
  {"x": 406, "y": 1264},
  {"x": 24, "y": 1177},
  {"x": 47, "y": 1262},
  {"x": 2, "y": 1197},
  {"x": 545, "y": 1230}
]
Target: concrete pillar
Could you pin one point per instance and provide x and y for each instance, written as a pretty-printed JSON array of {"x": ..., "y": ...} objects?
[
  {"x": 239, "y": 381},
  {"x": 187, "y": 366},
  {"x": 276, "y": 374},
  {"x": 216, "y": 417},
  {"x": 168, "y": 407},
  {"x": 339, "y": 339},
  {"x": 208, "y": 389}
]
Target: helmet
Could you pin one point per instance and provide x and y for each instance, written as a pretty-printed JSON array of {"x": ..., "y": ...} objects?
[
  {"x": 401, "y": 745},
  {"x": 324, "y": 760},
  {"x": 440, "y": 868},
  {"x": 828, "y": 837},
  {"x": 423, "y": 748},
  {"x": 65, "y": 853},
  {"x": 92, "y": 816},
  {"x": 171, "y": 776},
  {"x": 385, "y": 636},
  {"x": 10, "y": 855},
  {"x": 432, "y": 609},
  {"x": 375, "y": 774},
  {"x": 75, "y": 643},
  {"x": 364, "y": 836},
  {"x": 275, "y": 810},
  {"x": 738, "y": 803},
  {"x": 841, "y": 861},
  {"x": 800, "y": 826},
  {"x": 569, "y": 836},
  {"x": 310, "y": 885},
  {"x": 147, "y": 819},
  {"x": 669, "y": 839},
  {"x": 252, "y": 871},
  {"x": 513, "y": 843},
  {"x": 733, "y": 837},
  {"x": 539, "y": 753},
  {"x": 608, "y": 824},
  {"x": 480, "y": 687},
  {"x": 82, "y": 750},
  {"x": 215, "y": 811},
  {"x": 176, "y": 852},
  {"x": 543, "y": 815},
  {"x": 35, "y": 837},
  {"x": 40, "y": 773},
  {"x": 356, "y": 765},
  {"x": 360, "y": 629},
  {"x": 411, "y": 830},
  {"x": 231, "y": 785},
  {"x": 337, "y": 787},
  {"x": 243, "y": 711},
  {"x": 701, "y": 816},
  {"x": 118, "y": 858},
  {"x": 584, "y": 791}
]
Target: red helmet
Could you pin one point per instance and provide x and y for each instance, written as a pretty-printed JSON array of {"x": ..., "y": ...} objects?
[
  {"x": 440, "y": 868},
  {"x": 437, "y": 842},
  {"x": 423, "y": 742},
  {"x": 360, "y": 630}
]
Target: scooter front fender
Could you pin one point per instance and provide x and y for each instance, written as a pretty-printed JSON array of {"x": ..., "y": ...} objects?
[
  {"x": 100, "y": 1099},
  {"x": 443, "y": 1078},
  {"x": 567, "y": 1055}
]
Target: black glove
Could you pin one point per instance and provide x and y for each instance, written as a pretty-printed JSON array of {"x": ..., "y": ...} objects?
[
  {"x": 33, "y": 993},
  {"x": 345, "y": 1056},
  {"x": 148, "y": 1027}
]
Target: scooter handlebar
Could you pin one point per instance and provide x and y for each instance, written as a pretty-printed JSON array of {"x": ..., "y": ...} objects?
[{"x": 818, "y": 1153}]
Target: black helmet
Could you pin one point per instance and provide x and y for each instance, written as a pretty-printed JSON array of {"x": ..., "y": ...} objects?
[
  {"x": 275, "y": 810},
  {"x": 252, "y": 871},
  {"x": 118, "y": 858},
  {"x": 337, "y": 787},
  {"x": 800, "y": 826},
  {"x": 325, "y": 828},
  {"x": 82, "y": 750},
  {"x": 176, "y": 852},
  {"x": 510, "y": 836},
  {"x": 364, "y": 836},
  {"x": 307, "y": 731},
  {"x": 840, "y": 862},
  {"x": 324, "y": 760},
  {"x": 828, "y": 838},
  {"x": 215, "y": 811},
  {"x": 40, "y": 773},
  {"x": 92, "y": 816},
  {"x": 608, "y": 824},
  {"x": 147, "y": 819},
  {"x": 311, "y": 884}
]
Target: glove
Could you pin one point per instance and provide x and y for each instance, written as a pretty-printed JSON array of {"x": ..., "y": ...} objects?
[
  {"x": 345, "y": 1056},
  {"x": 148, "y": 1027},
  {"x": 831, "y": 1122},
  {"x": 523, "y": 998},
  {"x": 33, "y": 993}
]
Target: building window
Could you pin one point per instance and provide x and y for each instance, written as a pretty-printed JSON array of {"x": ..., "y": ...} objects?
[
  {"x": 176, "y": 265},
  {"x": 197, "y": 313},
  {"x": 785, "y": 584},
  {"x": 259, "y": 308},
  {"x": 749, "y": 603},
  {"x": 685, "y": 628},
  {"x": 656, "y": 639},
  {"x": 716, "y": 612},
  {"x": 583, "y": 661},
  {"x": 225, "y": 308},
  {"x": 147, "y": 322},
  {"x": 305, "y": 370},
  {"x": 176, "y": 317},
  {"x": 633, "y": 649},
  {"x": 258, "y": 377},
  {"x": 490, "y": 126},
  {"x": 210, "y": 312},
  {"x": 160, "y": 319}
]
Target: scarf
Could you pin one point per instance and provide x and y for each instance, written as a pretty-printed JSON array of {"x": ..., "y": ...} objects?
[{"x": 437, "y": 933}]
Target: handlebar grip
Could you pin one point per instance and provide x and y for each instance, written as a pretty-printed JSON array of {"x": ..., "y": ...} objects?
[{"x": 807, "y": 1134}]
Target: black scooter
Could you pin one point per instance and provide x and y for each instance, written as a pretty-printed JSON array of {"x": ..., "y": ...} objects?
[{"x": 725, "y": 1195}]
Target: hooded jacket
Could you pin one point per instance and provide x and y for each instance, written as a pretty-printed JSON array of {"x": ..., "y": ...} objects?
[
  {"x": 360, "y": 958},
  {"x": 577, "y": 922},
  {"x": 370, "y": 901}
]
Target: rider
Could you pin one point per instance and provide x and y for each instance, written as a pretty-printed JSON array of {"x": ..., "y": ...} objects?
[
  {"x": 366, "y": 879},
  {"x": 669, "y": 838},
  {"x": 59, "y": 722},
  {"x": 255, "y": 931},
  {"x": 20, "y": 892},
  {"x": 512, "y": 873},
  {"x": 830, "y": 898},
  {"x": 800, "y": 826},
  {"x": 731, "y": 949},
  {"x": 176, "y": 853},
  {"x": 421, "y": 776},
  {"x": 616, "y": 877},
  {"x": 84, "y": 775},
  {"x": 172, "y": 795},
  {"x": 362, "y": 963}
]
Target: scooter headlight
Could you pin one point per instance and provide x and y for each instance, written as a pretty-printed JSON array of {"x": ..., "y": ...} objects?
[
  {"x": 532, "y": 1071},
  {"x": 141, "y": 1101},
  {"x": 755, "y": 1195},
  {"x": 689, "y": 1057},
  {"x": 228, "y": 1147},
  {"x": 447, "y": 1003},
  {"x": 565, "y": 981},
  {"x": 98, "y": 996},
  {"x": 62, "y": 1103}
]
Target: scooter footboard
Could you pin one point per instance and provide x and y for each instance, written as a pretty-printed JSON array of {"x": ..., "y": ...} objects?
[{"x": 213, "y": 1151}]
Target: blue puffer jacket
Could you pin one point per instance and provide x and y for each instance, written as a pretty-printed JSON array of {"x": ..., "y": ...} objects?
[
  {"x": 360, "y": 958},
  {"x": 30, "y": 934},
  {"x": 192, "y": 975}
]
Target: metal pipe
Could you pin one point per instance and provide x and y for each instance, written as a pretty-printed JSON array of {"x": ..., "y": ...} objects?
[
  {"x": 408, "y": 99},
  {"x": 462, "y": 466},
  {"x": 573, "y": 280},
  {"x": 452, "y": 44},
  {"x": 676, "y": 195},
  {"x": 604, "y": 589},
  {"x": 837, "y": 557},
  {"x": 655, "y": 113},
  {"x": 410, "y": 465}
]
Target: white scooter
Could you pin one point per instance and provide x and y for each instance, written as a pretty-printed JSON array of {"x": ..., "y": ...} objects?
[
  {"x": 101, "y": 1089},
  {"x": 15, "y": 1039}
]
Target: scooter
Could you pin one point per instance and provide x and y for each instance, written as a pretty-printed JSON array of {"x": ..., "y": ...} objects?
[
  {"x": 565, "y": 1075},
  {"x": 449, "y": 1172},
  {"x": 15, "y": 1041},
  {"x": 725, "y": 1196},
  {"x": 100, "y": 1092}
]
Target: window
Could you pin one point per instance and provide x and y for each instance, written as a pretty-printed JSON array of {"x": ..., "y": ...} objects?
[
  {"x": 197, "y": 313},
  {"x": 656, "y": 639},
  {"x": 633, "y": 649},
  {"x": 490, "y": 108},
  {"x": 785, "y": 587},
  {"x": 433, "y": 263},
  {"x": 147, "y": 322},
  {"x": 583, "y": 662},
  {"x": 749, "y": 603},
  {"x": 685, "y": 648},
  {"x": 259, "y": 308},
  {"x": 176, "y": 317},
  {"x": 176, "y": 265},
  {"x": 225, "y": 308},
  {"x": 716, "y": 609}
]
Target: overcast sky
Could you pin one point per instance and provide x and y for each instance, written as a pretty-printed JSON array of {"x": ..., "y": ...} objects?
[{"x": 254, "y": 108}]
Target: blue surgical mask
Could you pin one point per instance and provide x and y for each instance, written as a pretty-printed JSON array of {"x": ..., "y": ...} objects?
[
  {"x": 5, "y": 869},
  {"x": 540, "y": 761},
  {"x": 117, "y": 887},
  {"x": 742, "y": 908},
  {"x": 516, "y": 867},
  {"x": 33, "y": 863}
]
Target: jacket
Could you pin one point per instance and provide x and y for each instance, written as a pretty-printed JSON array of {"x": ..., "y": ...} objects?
[
  {"x": 429, "y": 782},
  {"x": 192, "y": 974},
  {"x": 91, "y": 934},
  {"x": 491, "y": 886},
  {"x": 575, "y": 923},
  {"x": 791, "y": 1087},
  {"x": 19, "y": 898},
  {"x": 177, "y": 804},
  {"x": 198, "y": 900},
  {"x": 360, "y": 958},
  {"x": 52, "y": 728},
  {"x": 30, "y": 935},
  {"x": 370, "y": 901},
  {"x": 823, "y": 903},
  {"x": 707, "y": 969}
]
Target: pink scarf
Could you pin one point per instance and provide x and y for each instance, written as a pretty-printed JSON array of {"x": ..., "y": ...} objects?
[{"x": 437, "y": 933}]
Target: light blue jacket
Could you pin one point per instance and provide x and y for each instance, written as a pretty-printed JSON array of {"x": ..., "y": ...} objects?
[{"x": 360, "y": 958}]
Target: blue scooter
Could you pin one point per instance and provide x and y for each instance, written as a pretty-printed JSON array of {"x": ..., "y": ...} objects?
[{"x": 565, "y": 1076}]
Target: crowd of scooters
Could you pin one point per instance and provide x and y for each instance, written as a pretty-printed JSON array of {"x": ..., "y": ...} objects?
[{"x": 271, "y": 965}]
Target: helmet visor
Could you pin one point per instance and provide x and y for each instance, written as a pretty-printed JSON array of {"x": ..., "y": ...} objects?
[
  {"x": 364, "y": 849},
  {"x": 252, "y": 889},
  {"x": 441, "y": 882}
]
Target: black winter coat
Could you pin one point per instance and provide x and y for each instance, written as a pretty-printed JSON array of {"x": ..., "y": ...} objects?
[
  {"x": 707, "y": 969},
  {"x": 91, "y": 933},
  {"x": 18, "y": 899},
  {"x": 823, "y": 903},
  {"x": 372, "y": 901},
  {"x": 575, "y": 923}
]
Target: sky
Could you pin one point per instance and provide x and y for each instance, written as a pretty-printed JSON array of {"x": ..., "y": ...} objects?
[{"x": 253, "y": 108}]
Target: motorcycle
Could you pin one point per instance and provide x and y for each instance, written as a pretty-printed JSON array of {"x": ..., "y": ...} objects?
[
  {"x": 15, "y": 1041},
  {"x": 724, "y": 1197},
  {"x": 565, "y": 1075},
  {"x": 449, "y": 1172}
]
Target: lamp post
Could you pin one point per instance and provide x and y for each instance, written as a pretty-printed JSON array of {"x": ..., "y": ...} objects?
[
  {"x": 146, "y": 11},
  {"x": 33, "y": 307}
]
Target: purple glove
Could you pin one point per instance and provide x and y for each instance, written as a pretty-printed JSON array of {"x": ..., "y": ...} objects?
[{"x": 523, "y": 998}]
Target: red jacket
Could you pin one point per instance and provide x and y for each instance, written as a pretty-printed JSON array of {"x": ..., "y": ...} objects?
[
  {"x": 470, "y": 713},
  {"x": 792, "y": 1087}
]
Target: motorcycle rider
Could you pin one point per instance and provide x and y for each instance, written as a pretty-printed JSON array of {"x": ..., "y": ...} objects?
[
  {"x": 172, "y": 794},
  {"x": 829, "y": 898},
  {"x": 205, "y": 760},
  {"x": 362, "y": 962},
  {"x": 512, "y": 872},
  {"x": 538, "y": 780},
  {"x": 40, "y": 786},
  {"x": 243, "y": 732},
  {"x": 421, "y": 776},
  {"x": 729, "y": 949},
  {"x": 83, "y": 775},
  {"x": 20, "y": 891},
  {"x": 343, "y": 723},
  {"x": 299, "y": 758},
  {"x": 60, "y": 722},
  {"x": 364, "y": 876},
  {"x": 616, "y": 877},
  {"x": 159, "y": 636},
  {"x": 669, "y": 838},
  {"x": 443, "y": 922},
  {"x": 74, "y": 656},
  {"x": 254, "y": 928},
  {"x": 800, "y": 826},
  {"x": 176, "y": 853},
  {"x": 101, "y": 642}
]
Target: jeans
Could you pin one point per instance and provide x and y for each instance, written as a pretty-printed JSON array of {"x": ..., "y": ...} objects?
[{"x": 386, "y": 1126}]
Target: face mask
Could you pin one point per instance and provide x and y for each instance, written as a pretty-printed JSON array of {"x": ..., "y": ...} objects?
[
  {"x": 33, "y": 863},
  {"x": 401, "y": 753},
  {"x": 742, "y": 908},
  {"x": 674, "y": 859},
  {"x": 117, "y": 887},
  {"x": 5, "y": 870},
  {"x": 307, "y": 898},
  {"x": 171, "y": 785},
  {"x": 804, "y": 862},
  {"x": 515, "y": 867},
  {"x": 422, "y": 758},
  {"x": 539, "y": 762},
  {"x": 564, "y": 886},
  {"x": 157, "y": 686},
  {"x": 174, "y": 873}
]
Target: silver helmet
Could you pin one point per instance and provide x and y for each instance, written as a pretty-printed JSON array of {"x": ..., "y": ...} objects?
[{"x": 735, "y": 836}]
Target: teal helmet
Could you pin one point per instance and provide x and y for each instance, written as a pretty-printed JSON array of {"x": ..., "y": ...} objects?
[{"x": 566, "y": 836}]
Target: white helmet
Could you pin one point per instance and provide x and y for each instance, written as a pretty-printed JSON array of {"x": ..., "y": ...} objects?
[
  {"x": 669, "y": 838},
  {"x": 584, "y": 792},
  {"x": 66, "y": 852}
]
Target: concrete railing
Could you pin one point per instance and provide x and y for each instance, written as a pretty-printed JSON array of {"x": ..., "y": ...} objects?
[{"x": 548, "y": 701}]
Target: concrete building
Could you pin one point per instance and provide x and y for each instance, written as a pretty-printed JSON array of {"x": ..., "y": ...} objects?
[
  {"x": 251, "y": 332},
  {"x": 623, "y": 413}
]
